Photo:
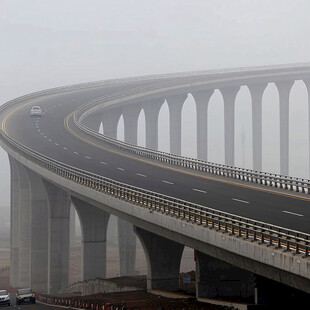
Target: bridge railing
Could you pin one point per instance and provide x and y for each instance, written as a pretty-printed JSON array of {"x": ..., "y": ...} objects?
[
  {"x": 264, "y": 233},
  {"x": 248, "y": 175}
]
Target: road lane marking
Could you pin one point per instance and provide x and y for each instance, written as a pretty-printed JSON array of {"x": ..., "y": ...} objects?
[
  {"x": 141, "y": 175},
  {"x": 119, "y": 168},
  {"x": 56, "y": 143},
  {"x": 292, "y": 213},
  {"x": 65, "y": 148},
  {"x": 199, "y": 190},
  {"x": 103, "y": 163},
  {"x": 50, "y": 140},
  {"x": 167, "y": 182},
  {"x": 88, "y": 157},
  {"x": 257, "y": 189},
  {"x": 239, "y": 200},
  {"x": 76, "y": 153}
]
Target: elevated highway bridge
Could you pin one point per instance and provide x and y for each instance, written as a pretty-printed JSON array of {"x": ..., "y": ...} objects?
[{"x": 245, "y": 221}]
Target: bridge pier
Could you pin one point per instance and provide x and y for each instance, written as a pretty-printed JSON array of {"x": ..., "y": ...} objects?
[
  {"x": 58, "y": 237},
  {"x": 39, "y": 232},
  {"x": 307, "y": 83},
  {"x": 229, "y": 95},
  {"x": 257, "y": 92},
  {"x": 202, "y": 99},
  {"x": 130, "y": 115},
  {"x": 93, "y": 121},
  {"x": 14, "y": 262},
  {"x": 151, "y": 111},
  {"x": 284, "y": 89},
  {"x": 175, "y": 104},
  {"x": 215, "y": 278},
  {"x": 163, "y": 258},
  {"x": 24, "y": 278},
  {"x": 94, "y": 224},
  {"x": 110, "y": 120}
]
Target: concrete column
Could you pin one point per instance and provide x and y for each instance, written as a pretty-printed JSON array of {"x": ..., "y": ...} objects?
[
  {"x": 175, "y": 104},
  {"x": 58, "y": 237},
  {"x": 163, "y": 258},
  {"x": 24, "y": 269},
  {"x": 151, "y": 110},
  {"x": 110, "y": 121},
  {"x": 94, "y": 224},
  {"x": 93, "y": 121},
  {"x": 127, "y": 247},
  {"x": 229, "y": 96},
  {"x": 14, "y": 261},
  {"x": 202, "y": 101},
  {"x": 257, "y": 92},
  {"x": 72, "y": 225},
  {"x": 131, "y": 113},
  {"x": 215, "y": 278},
  {"x": 307, "y": 83},
  {"x": 284, "y": 89},
  {"x": 39, "y": 232}
]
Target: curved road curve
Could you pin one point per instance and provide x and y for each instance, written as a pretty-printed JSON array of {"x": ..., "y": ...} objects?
[{"x": 51, "y": 136}]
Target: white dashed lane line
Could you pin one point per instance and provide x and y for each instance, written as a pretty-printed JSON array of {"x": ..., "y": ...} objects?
[
  {"x": 88, "y": 157},
  {"x": 76, "y": 153},
  {"x": 141, "y": 175},
  {"x": 292, "y": 213},
  {"x": 239, "y": 200},
  {"x": 167, "y": 182},
  {"x": 119, "y": 168},
  {"x": 56, "y": 143},
  {"x": 199, "y": 190},
  {"x": 50, "y": 140},
  {"x": 103, "y": 163},
  {"x": 65, "y": 148}
]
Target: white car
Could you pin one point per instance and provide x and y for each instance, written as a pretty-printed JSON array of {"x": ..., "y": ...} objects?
[
  {"x": 5, "y": 298},
  {"x": 25, "y": 296},
  {"x": 35, "y": 111}
]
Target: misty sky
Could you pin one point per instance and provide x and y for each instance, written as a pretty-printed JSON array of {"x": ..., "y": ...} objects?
[{"x": 48, "y": 43}]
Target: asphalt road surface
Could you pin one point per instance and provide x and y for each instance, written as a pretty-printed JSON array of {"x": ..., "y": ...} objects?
[{"x": 49, "y": 136}]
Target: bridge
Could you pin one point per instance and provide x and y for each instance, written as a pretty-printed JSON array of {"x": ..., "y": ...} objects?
[{"x": 167, "y": 200}]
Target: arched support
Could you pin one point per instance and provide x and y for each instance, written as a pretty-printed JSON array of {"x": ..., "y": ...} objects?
[
  {"x": 93, "y": 121},
  {"x": 151, "y": 110},
  {"x": 110, "y": 121},
  {"x": 163, "y": 258},
  {"x": 131, "y": 113},
  {"x": 257, "y": 91},
  {"x": 202, "y": 101},
  {"x": 39, "y": 232},
  {"x": 175, "y": 104},
  {"x": 215, "y": 278},
  {"x": 94, "y": 224},
  {"x": 14, "y": 263},
  {"x": 284, "y": 89},
  {"x": 229, "y": 95},
  {"x": 58, "y": 237}
]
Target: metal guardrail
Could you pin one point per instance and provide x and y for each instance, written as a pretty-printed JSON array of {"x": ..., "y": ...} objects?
[
  {"x": 264, "y": 233},
  {"x": 248, "y": 175}
]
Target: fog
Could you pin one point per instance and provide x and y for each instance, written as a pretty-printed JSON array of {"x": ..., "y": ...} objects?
[{"x": 48, "y": 43}]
